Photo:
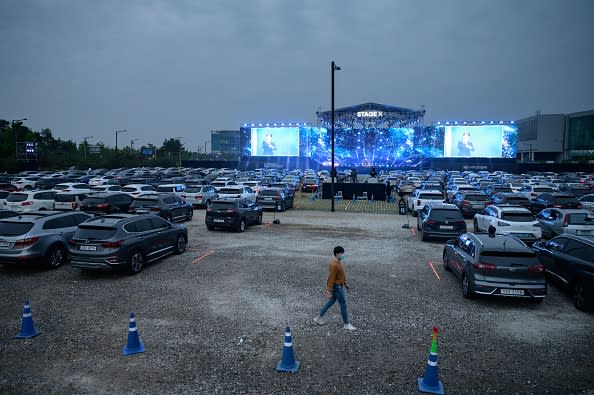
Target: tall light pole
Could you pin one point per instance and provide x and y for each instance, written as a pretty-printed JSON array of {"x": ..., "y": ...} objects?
[
  {"x": 178, "y": 138},
  {"x": 205, "y": 141},
  {"x": 86, "y": 147},
  {"x": 132, "y": 144},
  {"x": 116, "y": 146},
  {"x": 333, "y": 169}
]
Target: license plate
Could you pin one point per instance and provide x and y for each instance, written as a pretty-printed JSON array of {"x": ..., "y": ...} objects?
[
  {"x": 4, "y": 244},
  {"x": 218, "y": 220},
  {"x": 88, "y": 248},
  {"x": 447, "y": 227},
  {"x": 520, "y": 235},
  {"x": 478, "y": 205},
  {"x": 519, "y": 292},
  {"x": 141, "y": 211},
  {"x": 269, "y": 199},
  {"x": 584, "y": 232}
]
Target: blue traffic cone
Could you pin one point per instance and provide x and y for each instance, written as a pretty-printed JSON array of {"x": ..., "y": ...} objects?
[
  {"x": 288, "y": 362},
  {"x": 134, "y": 345},
  {"x": 430, "y": 381},
  {"x": 27, "y": 327}
]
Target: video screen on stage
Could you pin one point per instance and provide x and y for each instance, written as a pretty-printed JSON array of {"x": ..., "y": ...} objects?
[
  {"x": 480, "y": 141},
  {"x": 271, "y": 141}
]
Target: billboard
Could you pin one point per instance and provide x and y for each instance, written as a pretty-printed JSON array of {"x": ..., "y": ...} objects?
[
  {"x": 480, "y": 141},
  {"x": 274, "y": 141}
]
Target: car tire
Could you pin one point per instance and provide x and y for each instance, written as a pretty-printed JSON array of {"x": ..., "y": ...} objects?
[
  {"x": 28, "y": 188},
  {"x": 578, "y": 295},
  {"x": 207, "y": 204},
  {"x": 283, "y": 208},
  {"x": 467, "y": 291},
  {"x": 55, "y": 256},
  {"x": 260, "y": 219},
  {"x": 189, "y": 215},
  {"x": 135, "y": 262},
  {"x": 242, "y": 225},
  {"x": 423, "y": 236},
  {"x": 418, "y": 225},
  {"x": 210, "y": 227},
  {"x": 446, "y": 266},
  {"x": 475, "y": 226},
  {"x": 180, "y": 244},
  {"x": 415, "y": 213}
]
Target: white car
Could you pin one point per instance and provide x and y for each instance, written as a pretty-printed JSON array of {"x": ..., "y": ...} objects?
[
  {"x": 68, "y": 200},
  {"x": 509, "y": 220},
  {"x": 136, "y": 190},
  {"x": 105, "y": 188},
  {"x": 420, "y": 197},
  {"x": 177, "y": 189},
  {"x": 30, "y": 201},
  {"x": 72, "y": 187},
  {"x": 25, "y": 183},
  {"x": 100, "y": 180},
  {"x": 533, "y": 190},
  {"x": 587, "y": 202},
  {"x": 200, "y": 195},
  {"x": 238, "y": 191},
  {"x": 221, "y": 184},
  {"x": 454, "y": 189}
]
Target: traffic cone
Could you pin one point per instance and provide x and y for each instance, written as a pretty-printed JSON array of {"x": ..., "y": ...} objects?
[
  {"x": 134, "y": 345},
  {"x": 288, "y": 362},
  {"x": 430, "y": 382},
  {"x": 27, "y": 327}
]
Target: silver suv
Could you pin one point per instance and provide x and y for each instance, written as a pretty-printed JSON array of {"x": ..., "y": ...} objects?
[{"x": 40, "y": 236}]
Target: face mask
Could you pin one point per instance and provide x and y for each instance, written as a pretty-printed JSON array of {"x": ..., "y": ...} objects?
[{"x": 342, "y": 257}]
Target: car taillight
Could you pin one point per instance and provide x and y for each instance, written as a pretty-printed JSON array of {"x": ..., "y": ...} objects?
[
  {"x": 466, "y": 203},
  {"x": 418, "y": 202},
  {"x": 183, "y": 196},
  {"x": 566, "y": 220},
  {"x": 112, "y": 244},
  {"x": 103, "y": 205},
  {"x": 74, "y": 206},
  {"x": 72, "y": 242},
  {"x": 27, "y": 203},
  {"x": 26, "y": 242},
  {"x": 557, "y": 206},
  {"x": 431, "y": 222},
  {"x": 230, "y": 210},
  {"x": 536, "y": 268},
  {"x": 579, "y": 206},
  {"x": 484, "y": 266},
  {"x": 155, "y": 209},
  {"x": 209, "y": 209},
  {"x": 198, "y": 196}
]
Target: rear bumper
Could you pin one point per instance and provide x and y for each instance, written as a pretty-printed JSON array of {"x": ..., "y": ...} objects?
[{"x": 536, "y": 291}]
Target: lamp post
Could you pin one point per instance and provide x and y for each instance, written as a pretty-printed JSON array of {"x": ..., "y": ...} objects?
[
  {"x": 86, "y": 147},
  {"x": 205, "y": 141},
  {"x": 333, "y": 169},
  {"x": 116, "y": 145},
  {"x": 132, "y": 144}
]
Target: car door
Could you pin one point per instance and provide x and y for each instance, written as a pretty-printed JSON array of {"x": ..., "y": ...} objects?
[{"x": 480, "y": 218}]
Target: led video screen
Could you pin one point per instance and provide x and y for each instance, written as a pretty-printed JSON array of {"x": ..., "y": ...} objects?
[
  {"x": 480, "y": 141},
  {"x": 281, "y": 141}
]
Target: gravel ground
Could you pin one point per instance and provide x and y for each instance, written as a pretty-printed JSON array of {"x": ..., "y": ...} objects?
[{"x": 212, "y": 320}]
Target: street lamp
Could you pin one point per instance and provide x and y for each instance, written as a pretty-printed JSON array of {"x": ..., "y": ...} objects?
[
  {"x": 333, "y": 169},
  {"x": 86, "y": 147},
  {"x": 132, "y": 144},
  {"x": 116, "y": 146}
]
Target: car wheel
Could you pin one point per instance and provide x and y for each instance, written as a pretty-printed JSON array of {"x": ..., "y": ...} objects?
[
  {"x": 180, "y": 244},
  {"x": 423, "y": 237},
  {"x": 28, "y": 187},
  {"x": 260, "y": 219},
  {"x": 475, "y": 225},
  {"x": 135, "y": 262},
  {"x": 189, "y": 215},
  {"x": 169, "y": 218},
  {"x": 467, "y": 291},
  {"x": 242, "y": 225},
  {"x": 415, "y": 213},
  {"x": 210, "y": 227},
  {"x": 56, "y": 256},
  {"x": 578, "y": 295},
  {"x": 207, "y": 204},
  {"x": 418, "y": 224},
  {"x": 446, "y": 266},
  {"x": 283, "y": 207}
]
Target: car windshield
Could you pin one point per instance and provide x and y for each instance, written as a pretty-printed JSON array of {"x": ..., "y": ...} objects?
[
  {"x": 193, "y": 189},
  {"x": 449, "y": 215},
  {"x": 165, "y": 189},
  {"x": 506, "y": 258},
  {"x": 61, "y": 186},
  {"x": 222, "y": 206},
  {"x": 17, "y": 197},
  {"x": 517, "y": 200},
  {"x": 128, "y": 189},
  {"x": 543, "y": 189},
  {"x": 268, "y": 192},
  {"x": 434, "y": 196},
  {"x": 8, "y": 228},
  {"x": 94, "y": 232},
  {"x": 517, "y": 217},
  {"x": 581, "y": 219}
]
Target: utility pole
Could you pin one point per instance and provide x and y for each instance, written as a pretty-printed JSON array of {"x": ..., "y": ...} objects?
[
  {"x": 116, "y": 145},
  {"x": 86, "y": 147}
]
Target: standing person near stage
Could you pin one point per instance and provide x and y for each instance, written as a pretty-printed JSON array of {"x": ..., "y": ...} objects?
[
  {"x": 335, "y": 286},
  {"x": 388, "y": 191}
]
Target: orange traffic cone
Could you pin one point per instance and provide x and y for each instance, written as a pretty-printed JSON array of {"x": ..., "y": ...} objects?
[{"x": 430, "y": 381}]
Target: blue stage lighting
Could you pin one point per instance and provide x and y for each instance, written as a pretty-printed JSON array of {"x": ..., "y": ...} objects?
[
  {"x": 253, "y": 124},
  {"x": 512, "y": 122},
  {"x": 439, "y": 123},
  {"x": 282, "y": 124},
  {"x": 464, "y": 122}
]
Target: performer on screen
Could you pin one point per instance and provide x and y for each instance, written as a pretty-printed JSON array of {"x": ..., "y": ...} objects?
[
  {"x": 268, "y": 146},
  {"x": 465, "y": 146}
]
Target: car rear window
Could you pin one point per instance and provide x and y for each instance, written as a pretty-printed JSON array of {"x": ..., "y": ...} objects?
[
  {"x": 165, "y": 189},
  {"x": 61, "y": 186},
  {"x": 193, "y": 190},
  {"x": 222, "y": 206},
  {"x": 17, "y": 197},
  {"x": 506, "y": 258},
  {"x": 230, "y": 191},
  {"x": 94, "y": 232},
  {"x": 128, "y": 189},
  {"x": 93, "y": 201},
  {"x": 517, "y": 200},
  {"x": 8, "y": 228},
  {"x": 434, "y": 196},
  {"x": 64, "y": 198},
  {"x": 543, "y": 189},
  {"x": 443, "y": 214},
  {"x": 565, "y": 200},
  {"x": 518, "y": 217},
  {"x": 268, "y": 192},
  {"x": 581, "y": 219},
  {"x": 476, "y": 198}
]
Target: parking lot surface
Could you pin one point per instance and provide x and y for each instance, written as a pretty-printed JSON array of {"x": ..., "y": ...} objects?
[{"x": 212, "y": 319}]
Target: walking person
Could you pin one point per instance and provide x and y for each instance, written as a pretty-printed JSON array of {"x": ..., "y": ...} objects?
[
  {"x": 388, "y": 191},
  {"x": 335, "y": 286}
]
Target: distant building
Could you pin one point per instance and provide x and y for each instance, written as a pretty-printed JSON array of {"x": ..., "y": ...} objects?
[
  {"x": 579, "y": 135},
  {"x": 225, "y": 142}
]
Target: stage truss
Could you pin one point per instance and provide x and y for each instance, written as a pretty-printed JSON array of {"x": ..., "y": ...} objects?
[{"x": 372, "y": 115}]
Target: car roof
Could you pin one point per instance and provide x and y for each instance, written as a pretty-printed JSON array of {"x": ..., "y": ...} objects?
[
  {"x": 37, "y": 215},
  {"x": 494, "y": 242},
  {"x": 107, "y": 194},
  {"x": 586, "y": 240},
  {"x": 440, "y": 205},
  {"x": 112, "y": 219},
  {"x": 510, "y": 208},
  {"x": 572, "y": 210}
]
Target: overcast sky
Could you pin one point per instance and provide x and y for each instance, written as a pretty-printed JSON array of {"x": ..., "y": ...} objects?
[{"x": 169, "y": 68}]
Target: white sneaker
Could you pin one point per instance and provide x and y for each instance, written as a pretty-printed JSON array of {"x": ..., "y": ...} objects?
[
  {"x": 319, "y": 320},
  {"x": 349, "y": 327}
]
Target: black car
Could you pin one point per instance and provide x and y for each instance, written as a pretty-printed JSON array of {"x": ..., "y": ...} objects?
[
  {"x": 234, "y": 214},
  {"x": 440, "y": 220},
  {"x": 555, "y": 199},
  {"x": 569, "y": 261},
  {"x": 274, "y": 198},
  {"x": 511, "y": 198},
  {"x": 125, "y": 242},
  {"x": 167, "y": 205},
  {"x": 498, "y": 265},
  {"x": 106, "y": 202},
  {"x": 471, "y": 202},
  {"x": 50, "y": 182},
  {"x": 496, "y": 188},
  {"x": 7, "y": 213}
]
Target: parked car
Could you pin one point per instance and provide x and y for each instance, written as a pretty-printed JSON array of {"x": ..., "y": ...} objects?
[
  {"x": 569, "y": 262},
  {"x": 556, "y": 199},
  {"x": 106, "y": 188},
  {"x": 136, "y": 190},
  {"x": 498, "y": 265},
  {"x": 310, "y": 184},
  {"x": 3, "y": 196},
  {"x": 7, "y": 213},
  {"x": 238, "y": 191},
  {"x": 125, "y": 242},
  {"x": 223, "y": 183},
  {"x": 531, "y": 191},
  {"x": 233, "y": 214},
  {"x": 167, "y": 205},
  {"x": 49, "y": 182},
  {"x": 587, "y": 201},
  {"x": 576, "y": 188},
  {"x": 69, "y": 200},
  {"x": 30, "y": 201},
  {"x": 455, "y": 188},
  {"x": 25, "y": 183},
  {"x": 511, "y": 198},
  {"x": 178, "y": 189},
  {"x": 440, "y": 220},
  {"x": 72, "y": 187},
  {"x": 200, "y": 195},
  {"x": 470, "y": 202},
  {"x": 492, "y": 189},
  {"x": 106, "y": 202},
  {"x": 508, "y": 220},
  {"x": 420, "y": 197},
  {"x": 40, "y": 236},
  {"x": 558, "y": 221},
  {"x": 274, "y": 198}
]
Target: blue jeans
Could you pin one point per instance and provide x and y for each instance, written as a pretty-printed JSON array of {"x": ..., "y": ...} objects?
[{"x": 337, "y": 294}]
